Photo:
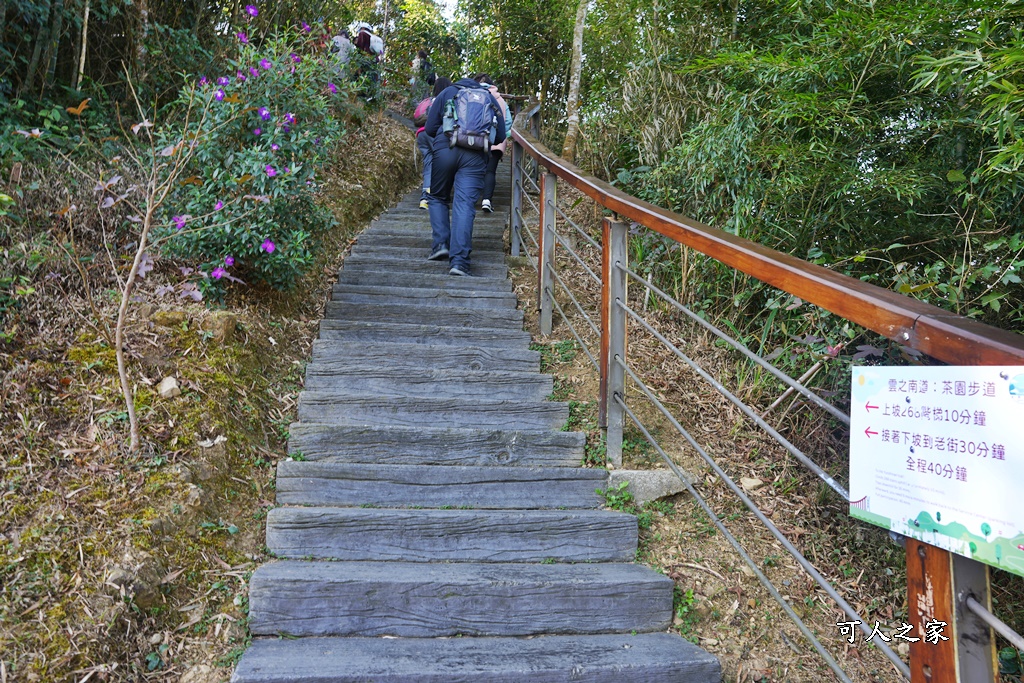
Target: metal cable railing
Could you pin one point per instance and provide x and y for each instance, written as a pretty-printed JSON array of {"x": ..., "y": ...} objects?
[
  {"x": 744, "y": 408},
  {"x": 775, "y": 372},
  {"x": 809, "y": 568},
  {"x": 918, "y": 326}
]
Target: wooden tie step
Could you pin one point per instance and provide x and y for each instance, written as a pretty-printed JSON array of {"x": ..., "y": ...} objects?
[
  {"x": 640, "y": 658},
  {"x": 410, "y": 486},
  {"x": 435, "y": 446},
  {"x": 428, "y": 599},
  {"x": 361, "y": 534},
  {"x": 436, "y": 525}
]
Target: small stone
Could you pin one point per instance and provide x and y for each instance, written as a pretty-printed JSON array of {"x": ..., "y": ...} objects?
[
  {"x": 161, "y": 526},
  {"x": 747, "y": 571},
  {"x": 168, "y": 388},
  {"x": 750, "y": 483},
  {"x": 203, "y": 470},
  {"x": 156, "y": 638},
  {"x": 222, "y": 324},
  {"x": 647, "y": 485},
  {"x": 168, "y": 318}
]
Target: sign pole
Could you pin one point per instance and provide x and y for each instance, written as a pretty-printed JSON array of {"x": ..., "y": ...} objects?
[{"x": 955, "y": 646}]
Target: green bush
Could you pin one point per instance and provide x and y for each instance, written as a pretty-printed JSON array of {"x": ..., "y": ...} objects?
[{"x": 254, "y": 139}]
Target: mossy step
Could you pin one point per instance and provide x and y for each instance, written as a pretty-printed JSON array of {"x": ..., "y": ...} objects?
[
  {"x": 446, "y": 409},
  {"x": 415, "y": 380},
  {"x": 424, "y": 600},
  {"x": 421, "y": 296},
  {"x": 338, "y": 355},
  {"x": 408, "y": 333},
  {"x": 397, "y": 486},
  {"x": 639, "y": 658},
  {"x": 432, "y": 446},
  {"x": 361, "y": 534},
  {"x": 489, "y": 318}
]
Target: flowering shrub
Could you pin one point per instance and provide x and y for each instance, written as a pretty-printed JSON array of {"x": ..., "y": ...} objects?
[{"x": 257, "y": 135}]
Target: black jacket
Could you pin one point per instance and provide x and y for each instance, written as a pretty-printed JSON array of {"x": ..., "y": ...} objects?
[{"x": 436, "y": 114}]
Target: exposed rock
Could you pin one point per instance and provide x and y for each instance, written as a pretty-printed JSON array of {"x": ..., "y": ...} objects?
[
  {"x": 137, "y": 576},
  {"x": 168, "y": 318},
  {"x": 201, "y": 673},
  {"x": 646, "y": 485},
  {"x": 203, "y": 471},
  {"x": 161, "y": 526},
  {"x": 222, "y": 324},
  {"x": 168, "y": 388},
  {"x": 197, "y": 497},
  {"x": 751, "y": 484}
]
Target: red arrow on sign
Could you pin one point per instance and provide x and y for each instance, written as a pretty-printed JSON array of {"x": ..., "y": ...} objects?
[
  {"x": 870, "y": 407},
  {"x": 868, "y": 432}
]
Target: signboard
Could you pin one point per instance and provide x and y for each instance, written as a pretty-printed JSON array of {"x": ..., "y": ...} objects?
[{"x": 937, "y": 453}]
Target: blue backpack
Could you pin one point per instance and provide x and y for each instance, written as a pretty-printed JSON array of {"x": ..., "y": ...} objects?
[{"x": 470, "y": 119}]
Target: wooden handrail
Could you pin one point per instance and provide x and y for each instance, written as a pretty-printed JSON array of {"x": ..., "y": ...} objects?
[{"x": 929, "y": 329}]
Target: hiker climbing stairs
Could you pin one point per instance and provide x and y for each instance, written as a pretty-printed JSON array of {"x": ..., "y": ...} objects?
[{"x": 435, "y": 524}]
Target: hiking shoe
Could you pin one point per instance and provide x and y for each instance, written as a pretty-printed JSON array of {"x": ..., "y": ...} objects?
[
  {"x": 486, "y": 206},
  {"x": 460, "y": 272},
  {"x": 423, "y": 204},
  {"x": 438, "y": 254}
]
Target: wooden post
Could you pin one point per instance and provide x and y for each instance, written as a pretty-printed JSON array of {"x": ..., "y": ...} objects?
[
  {"x": 613, "y": 336},
  {"x": 546, "y": 255},
  {"x": 517, "y": 198},
  {"x": 938, "y": 584}
]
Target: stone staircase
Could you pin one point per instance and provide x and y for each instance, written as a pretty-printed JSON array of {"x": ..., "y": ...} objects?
[{"x": 438, "y": 527}]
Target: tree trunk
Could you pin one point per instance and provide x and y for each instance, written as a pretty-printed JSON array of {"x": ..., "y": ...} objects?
[
  {"x": 572, "y": 104},
  {"x": 80, "y": 71},
  {"x": 140, "y": 48},
  {"x": 56, "y": 33},
  {"x": 37, "y": 50}
]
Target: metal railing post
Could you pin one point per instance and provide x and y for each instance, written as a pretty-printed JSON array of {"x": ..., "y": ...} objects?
[
  {"x": 546, "y": 249},
  {"x": 613, "y": 335},
  {"x": 516, "y": 222}
]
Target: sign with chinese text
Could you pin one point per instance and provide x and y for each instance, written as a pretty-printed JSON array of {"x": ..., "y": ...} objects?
[{"x": 937, "y": 453}]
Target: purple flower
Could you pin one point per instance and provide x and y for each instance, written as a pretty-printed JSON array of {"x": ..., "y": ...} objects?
[
  {"x": 287, "y": 170},
  {"x": 218, "y": 273},
  {"x": 264, "y": 113},
  {"x": 218, "y": 206},
  {"x": 257, "y": 131},
  {"x": 286, "y": 129},
  {"x": 289, "y": 117},
  {"x": 219, "y": 95},
  {"x": 271, "y": 171},
  {"x": 254, "y": 71},
  {"x": 265, "y": 64},
  {"x": 268, "y": 246},
  {"x": 179, "y": 222},
  {"x": 223, "y": 80},
  {"x": 241, "y": 76},
  {"x": 332, "y": 88},
  {"x": 296, "y": 58},
  {"x": 252, "y": 11},
  {"x": 242, "y": 38},
  {"x": 275, "y": 147},
  {"x": 229, "y": 261},
  {"x": 306, "y": 27},
  {"x": 203, "y": 81}
]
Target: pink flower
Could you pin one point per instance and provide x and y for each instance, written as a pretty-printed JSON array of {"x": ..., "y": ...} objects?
[
  {"x": 242, "y": 38},
  {"x": 332, "y": 88},
  {"x": 219, "y": 95},
  {"x": 252, "y": 11},
  {"x": 287, "y": 170},
  {"x": 275, "y": 146},
  {"x": 218, "y": 206},
  {"x": 289, "y": 117},
  {"x": 296, "y": 58},
  {"x": 265, "y": 64},
  {"x": 254, "y": 71},
  {"x": 271, "y": 171},
  {"x": 229, "y": 261},
  {"x": 179, "y": 221},
  {"x": 264, "y": 113},
  {"x": 240, "y": 76},
  {"x": 203, "y": 81},
  {"x": 218, "y": 273},
  {"x": 256, "y": 131},
  {"x": 223, "y": 80},
  {"x": 306, "y": 27},
  {"x": 268, "y": 246}
]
